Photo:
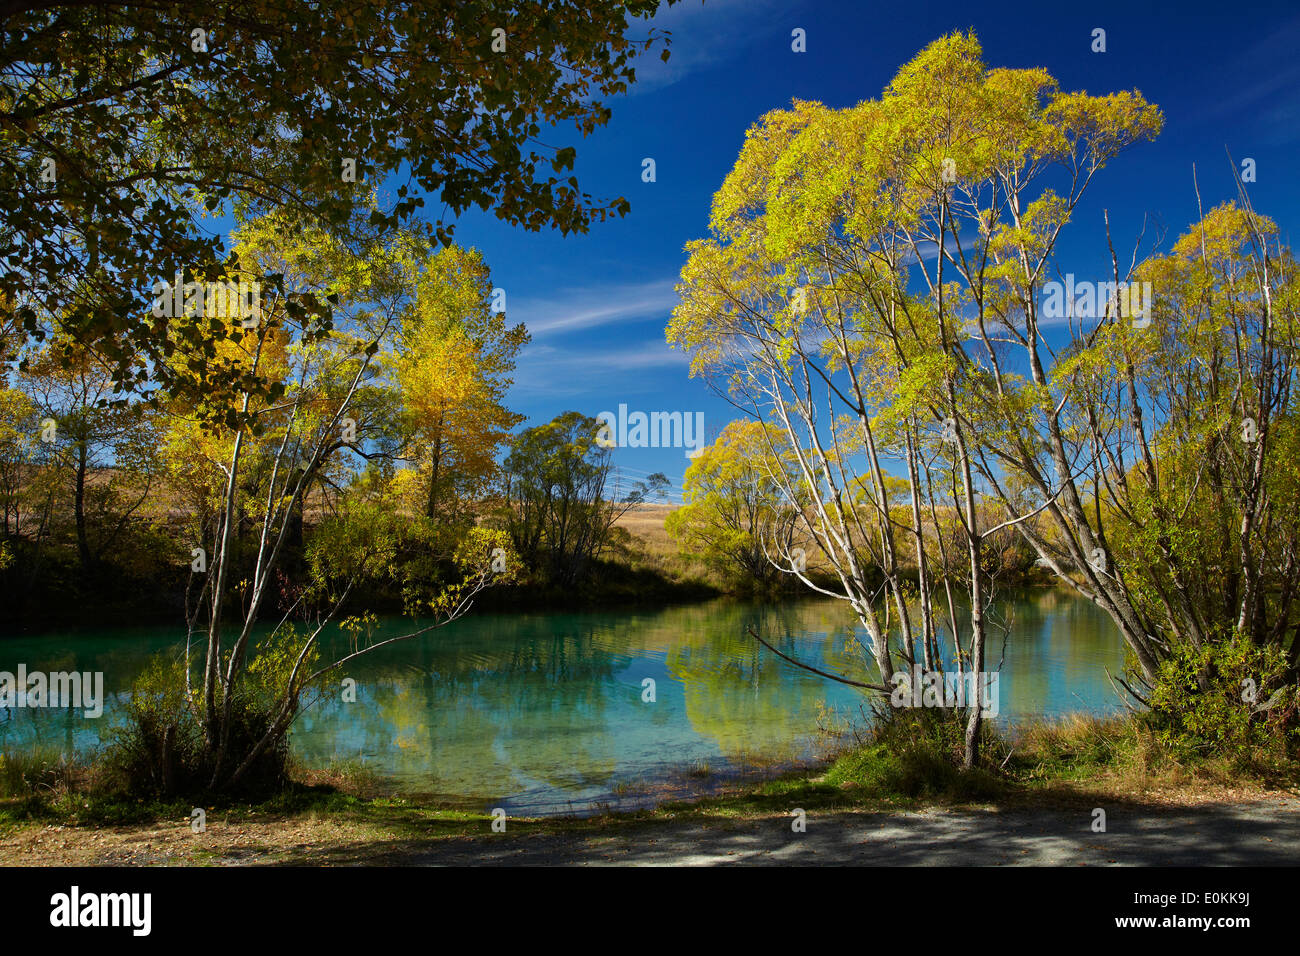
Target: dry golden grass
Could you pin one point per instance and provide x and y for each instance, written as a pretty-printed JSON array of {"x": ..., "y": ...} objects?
[
  {"x": 1083, "y": 754},
  {"x": 646, "y": 522},
  {"x": 651, "y": 547}
]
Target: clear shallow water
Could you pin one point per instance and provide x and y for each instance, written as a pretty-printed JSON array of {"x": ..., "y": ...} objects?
[{"x": 543, "y": 712}]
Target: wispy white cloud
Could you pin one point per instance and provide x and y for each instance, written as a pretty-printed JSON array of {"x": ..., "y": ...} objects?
[
  {"x": 593, "y": 306},
  {"x": 703, "y": 35},
  {"x": 553, "y": 371},
  {"x": 1259, "y": 83}
]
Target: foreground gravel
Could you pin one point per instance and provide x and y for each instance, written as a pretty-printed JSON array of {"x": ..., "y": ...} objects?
[
  {"x": 1248, "y": 832},
  {"x": 1260, "y": 834}
]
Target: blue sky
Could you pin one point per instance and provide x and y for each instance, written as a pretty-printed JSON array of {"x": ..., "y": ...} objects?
[{"x": 1224, "y": 74}]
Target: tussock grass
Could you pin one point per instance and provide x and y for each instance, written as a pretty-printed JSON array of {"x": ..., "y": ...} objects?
[
  {"x": 43, "y": 772},
  {"x": 1122, "y": 754}
]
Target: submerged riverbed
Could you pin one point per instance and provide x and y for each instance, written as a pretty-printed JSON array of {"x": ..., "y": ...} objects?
[{"x": 549, "y": 712}]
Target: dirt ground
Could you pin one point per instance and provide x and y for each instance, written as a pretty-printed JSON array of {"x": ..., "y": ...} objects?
[{"x": 1248, "y": 832}]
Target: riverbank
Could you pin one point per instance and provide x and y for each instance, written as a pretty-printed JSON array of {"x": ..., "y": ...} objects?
[
  {"x": 642, "y": 568},
  {"x": 1040, "y": 807}
]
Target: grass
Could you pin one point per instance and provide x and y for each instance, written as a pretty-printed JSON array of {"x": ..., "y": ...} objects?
[
  {"x": 650, "y": 549},
  {"x": 42, "y": 772},
  {"x": 1077, "y": 759},
  {"x": 1120, "y": 756}
]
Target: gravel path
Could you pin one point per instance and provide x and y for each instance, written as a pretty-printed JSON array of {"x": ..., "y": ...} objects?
[{"x": 1258, "y": 834}]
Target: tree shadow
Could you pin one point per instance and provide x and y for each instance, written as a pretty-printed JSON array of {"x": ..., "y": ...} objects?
[{"x": 1136, "y": 832}]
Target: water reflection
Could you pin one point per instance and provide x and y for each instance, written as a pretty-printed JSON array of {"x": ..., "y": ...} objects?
[{"x": 543, "y": 712}]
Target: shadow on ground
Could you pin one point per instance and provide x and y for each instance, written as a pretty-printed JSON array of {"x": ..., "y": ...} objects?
[{"x": 1262, "y": 833}]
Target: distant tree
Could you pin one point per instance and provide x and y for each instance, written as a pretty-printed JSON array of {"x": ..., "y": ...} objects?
[
  {"x": 99, "y": 456},
  {"x": 20, "y": 431},
  {"x": 559, "y": 512},
  {"x": 451, "y": 362},
  {"x": 735, "y": 515}
]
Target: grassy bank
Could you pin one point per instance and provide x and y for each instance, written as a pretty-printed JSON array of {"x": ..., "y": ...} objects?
[
  {"x": 642, "y": 567},
  {"x": 56, "y": 811}
]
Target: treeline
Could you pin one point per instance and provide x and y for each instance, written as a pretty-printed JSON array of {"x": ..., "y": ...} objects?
[
  {"x": 737, "y": 518},
  {"x": 111, "y": 511}
]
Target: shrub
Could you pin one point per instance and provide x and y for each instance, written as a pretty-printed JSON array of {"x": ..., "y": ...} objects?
[
  {"x": 161, "y": 750},
  {"x": 40, "y": 772},
  {"x": 916, "y": 753},
  {"x": 1229, "y": 699}
]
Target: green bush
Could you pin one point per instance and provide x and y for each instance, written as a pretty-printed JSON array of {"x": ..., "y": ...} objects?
[
  {"x": 1228, "y": 699},
  {"x": 161, "y": 751},
  {"x": 916, "y": 753}
]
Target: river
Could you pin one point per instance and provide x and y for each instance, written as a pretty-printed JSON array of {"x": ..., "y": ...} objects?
[{"x": 550, "y": 712}]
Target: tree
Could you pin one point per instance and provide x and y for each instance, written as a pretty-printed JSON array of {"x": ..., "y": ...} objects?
[
  {"x": 119, "y": 121},
  {"x": 20, "y": 431},
  {"x": 327, "y": 419},
  {"x": 859, "y": 274},
  {"x": 1191, "y": 424},
  {"x": 451, "y": 361},
  {"x": 733, "y": 515},
  {"x": 559, "y": 510},
  {"x": 100, "y": 455}
]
